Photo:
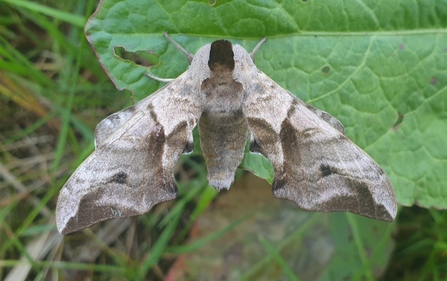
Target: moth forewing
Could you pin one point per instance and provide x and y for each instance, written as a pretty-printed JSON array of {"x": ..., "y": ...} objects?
[
  {"x": 315, "y": 165},
  {"x": 132, "y": 166}
]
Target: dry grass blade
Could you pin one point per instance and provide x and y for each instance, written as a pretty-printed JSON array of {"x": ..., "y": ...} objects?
[{"x": 37, "y": 249}]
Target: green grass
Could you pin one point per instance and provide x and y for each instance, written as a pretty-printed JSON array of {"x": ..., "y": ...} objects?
[{"x": 53, "y": 92}]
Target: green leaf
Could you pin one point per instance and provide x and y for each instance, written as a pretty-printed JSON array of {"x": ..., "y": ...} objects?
[
  {"x": 258, "y": 165},
  {"x": 379, "y": 67}
]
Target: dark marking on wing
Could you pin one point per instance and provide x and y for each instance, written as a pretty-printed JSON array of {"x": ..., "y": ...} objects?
[
  {"x": 367, "y": 205},
  {"x": 120, "y": 177},
  {"x": 265, "y": 132},
  {"x": 292, "y": 108},
  {"x": 154, "y": 116},
  {"x": 327, "y": 170},
  {"x": 156, "y": 140},
  {"x": 178, "y": 136},
  {"x": 289, "y": 144},
  {"x": 350, "y": 201},
  {"x": 267, "y": 138},
  {"x": 160, "y": 176}
]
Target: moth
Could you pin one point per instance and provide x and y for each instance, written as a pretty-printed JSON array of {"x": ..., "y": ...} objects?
[{"x": 231, "y": 101}]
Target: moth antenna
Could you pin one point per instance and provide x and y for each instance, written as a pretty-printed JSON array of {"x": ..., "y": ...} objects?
[
  {"x": 166, "y": 80},
  {"x": 255, "y": 50},
  {"x": 188, "y": 55}
]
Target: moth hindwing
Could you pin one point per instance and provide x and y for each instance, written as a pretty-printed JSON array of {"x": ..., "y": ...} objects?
[{"x": 230, "y": 100}]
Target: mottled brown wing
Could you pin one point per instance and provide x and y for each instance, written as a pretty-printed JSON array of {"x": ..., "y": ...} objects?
[
  {"x": 315, "y": 165},
  {"x": 131, "y": 169}
]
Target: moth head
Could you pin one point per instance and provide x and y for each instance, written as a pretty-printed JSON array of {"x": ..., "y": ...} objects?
[{"x": 221, "y": 56}]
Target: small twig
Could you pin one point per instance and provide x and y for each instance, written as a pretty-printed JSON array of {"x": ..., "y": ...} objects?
[
  {"x": 180, "y": 48},
  {"x": 255, "y": 50},
  {"x": 166, "y": 80}
]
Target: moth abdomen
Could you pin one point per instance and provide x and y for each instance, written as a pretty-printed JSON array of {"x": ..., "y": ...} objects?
[{"x": 222, "y": 139}]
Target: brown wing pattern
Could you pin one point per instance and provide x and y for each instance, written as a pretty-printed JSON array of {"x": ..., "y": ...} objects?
[
  {"x": 315, "y": 165},
  {"x": 131, "y": 169}
]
